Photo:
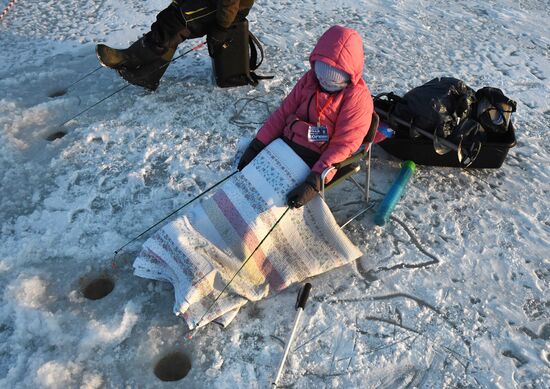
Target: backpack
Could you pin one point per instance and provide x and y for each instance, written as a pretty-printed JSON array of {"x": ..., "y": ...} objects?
[
  {"x": 235, "y": 64},
  {"x": 493, "y": 110},
  {"x": 439, "y": 106}
]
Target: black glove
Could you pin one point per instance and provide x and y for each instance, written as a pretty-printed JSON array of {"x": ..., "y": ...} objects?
[
  {"x": 304, "y": 192},
  {"x": 250, "y": 153},
  {"x": 218, "y": 37}
]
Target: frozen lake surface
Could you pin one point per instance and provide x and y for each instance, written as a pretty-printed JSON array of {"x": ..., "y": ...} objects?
[{"x": 453, "y": 292}]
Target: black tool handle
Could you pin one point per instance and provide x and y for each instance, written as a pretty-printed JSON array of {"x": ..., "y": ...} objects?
[{"x": 302, "y": 296}]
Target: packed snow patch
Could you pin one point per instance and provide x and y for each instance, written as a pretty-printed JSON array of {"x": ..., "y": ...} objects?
[{"x": 29, "y": 292}]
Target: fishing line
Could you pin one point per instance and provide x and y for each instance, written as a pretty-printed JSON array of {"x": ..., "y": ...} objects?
[
  {"x": 127, "y": 85},
  {"x": 172, "y": 213},
  {"x": 61, "y": 92}
]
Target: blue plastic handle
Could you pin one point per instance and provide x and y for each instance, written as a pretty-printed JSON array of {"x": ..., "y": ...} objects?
[{"x": 394, "y": 194}]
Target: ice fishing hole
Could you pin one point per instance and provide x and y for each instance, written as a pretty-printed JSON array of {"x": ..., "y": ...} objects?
[
  {"x": 55, "y": 135},
  {"x": 545, "y": 332},
  {"x": 57, "y": 93},
  {"x": 98, "y": 288},
  {"x": 173, "y": 367}
]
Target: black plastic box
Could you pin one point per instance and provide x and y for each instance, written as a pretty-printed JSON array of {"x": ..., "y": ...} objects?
[{"x": 420, "y": 149}]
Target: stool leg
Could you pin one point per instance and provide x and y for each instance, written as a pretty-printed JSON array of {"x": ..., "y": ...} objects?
[
  {"x": 323, "y": 176},
  {"x": 367, "y": 183}
]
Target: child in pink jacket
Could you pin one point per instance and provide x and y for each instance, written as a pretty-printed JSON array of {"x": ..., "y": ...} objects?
[{"x": 326, "y": 116}]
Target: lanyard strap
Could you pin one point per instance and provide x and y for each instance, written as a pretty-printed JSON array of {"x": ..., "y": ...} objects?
[{"x": 329, "y": 100}]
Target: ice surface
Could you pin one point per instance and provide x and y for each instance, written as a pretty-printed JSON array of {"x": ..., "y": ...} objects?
[{"x": 453, "y": 292}]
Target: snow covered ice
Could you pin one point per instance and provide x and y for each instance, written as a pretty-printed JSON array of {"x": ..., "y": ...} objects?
[{"x": 452, "y": 292}]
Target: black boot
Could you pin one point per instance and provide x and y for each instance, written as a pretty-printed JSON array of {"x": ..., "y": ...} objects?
[
  {"x": 148, "y": 75},
  {"x": 139, "y": 53},
  {"x": 141, "y": 64}
]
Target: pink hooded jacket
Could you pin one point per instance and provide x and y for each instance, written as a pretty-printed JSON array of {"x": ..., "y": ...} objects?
[{"x": 346, "y": 114}]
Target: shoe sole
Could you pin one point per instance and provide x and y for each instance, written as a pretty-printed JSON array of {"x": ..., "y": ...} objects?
[{"x": 151, "y": 86}]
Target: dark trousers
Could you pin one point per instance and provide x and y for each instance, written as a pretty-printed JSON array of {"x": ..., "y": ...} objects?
[
  {"x": 309, "y": 156},
  {"x": 178, "y": 22}
]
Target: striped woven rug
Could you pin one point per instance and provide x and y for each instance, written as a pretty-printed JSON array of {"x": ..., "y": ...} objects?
[{"x": 201, "y": 251}]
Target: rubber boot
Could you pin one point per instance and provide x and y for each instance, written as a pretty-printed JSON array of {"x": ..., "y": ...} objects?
[
  {"x": 148, "y": 75},
  {"x": 139, "y": 53},
  {"x": 142, "y": 64}
]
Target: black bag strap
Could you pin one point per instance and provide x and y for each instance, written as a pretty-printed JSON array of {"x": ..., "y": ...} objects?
[
  {"x": 393, "y": 100},
  {"x": 255, "y": 47},
  {"x": 388, "y": 113}
]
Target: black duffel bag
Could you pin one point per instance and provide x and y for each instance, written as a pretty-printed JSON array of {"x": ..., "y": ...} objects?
[{"x": 452, "y": 119}]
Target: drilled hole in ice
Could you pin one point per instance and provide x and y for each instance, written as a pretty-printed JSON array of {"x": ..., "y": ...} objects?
[
  {"x": 57, "y": 93},
  {"x": 98, "y": 288},
  {"x": 173, "y": 367},
  {"x": 55, "y": 135},
  {"x": 545, "y": 332}
]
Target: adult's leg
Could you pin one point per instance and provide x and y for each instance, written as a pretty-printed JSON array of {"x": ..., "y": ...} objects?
[
  {"x": 146, "y": 60},
  {"x": 169, "y": 30},
  {"x": 178, "y": 22},
  {"x": 147, "y": 49}
]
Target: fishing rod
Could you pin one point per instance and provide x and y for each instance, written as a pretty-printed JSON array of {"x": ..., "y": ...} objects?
[
  {"x": 300, "y": 306},
  {"x": 242, "y": 266},
  {"x": 171, "y": 213},
  {"x": 127, "y": 85}
]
